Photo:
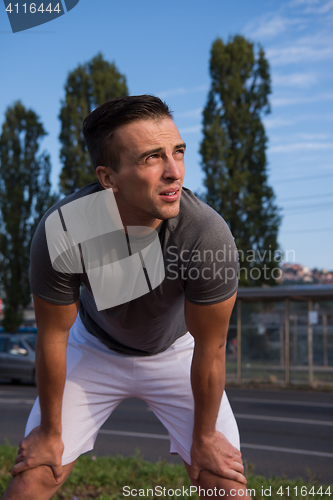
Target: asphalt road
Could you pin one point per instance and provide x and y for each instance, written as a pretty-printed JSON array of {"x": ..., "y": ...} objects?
[{"x": 282, "y": 432}]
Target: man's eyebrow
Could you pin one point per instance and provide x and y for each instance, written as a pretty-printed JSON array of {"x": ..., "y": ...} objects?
[
  {"x": 158, "y": 150},
  {"x": 149, "y": 152}
]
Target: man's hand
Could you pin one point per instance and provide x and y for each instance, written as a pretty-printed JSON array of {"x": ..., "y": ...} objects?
[
  {"x": 39, "y": 448},
  {"x": 217, "y": 455}
]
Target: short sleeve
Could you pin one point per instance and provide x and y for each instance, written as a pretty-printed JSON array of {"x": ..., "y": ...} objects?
[
  {"x": 212, "y": 264},
  {"x": 45, "y": 282}
]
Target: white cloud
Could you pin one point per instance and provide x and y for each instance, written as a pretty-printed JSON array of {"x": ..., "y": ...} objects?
[
  {"x": 271, "y": 123},
  {"x": 311, "y": 48},
  {"x": 300, "y": 146},
  {"x": 325, "y": 8},
  {"x": 182, "y": 91},
  {"x": 299, "y": 52},
  {"x": 192, "y": 113},
  {"x": 269, "y": 25},
  {"x": 314, "y": 6},
  {"x": 279, "y": 122},
  {"x": 294, "y": 80},
  {"x": 295, "y": 3},
  {"x": 191, "y": 130},
  {"x": 283, "y": 21},
  {"x": 312, "y": 137},
  {"x": 328, "y": 166},
  {"x": 321, "y": 38},
  {"x": 293, "y": 138},
  {"x": 289, "y": 101}
]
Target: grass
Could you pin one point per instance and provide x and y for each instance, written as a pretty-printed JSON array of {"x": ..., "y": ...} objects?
[{"x": 103, "y": 478}]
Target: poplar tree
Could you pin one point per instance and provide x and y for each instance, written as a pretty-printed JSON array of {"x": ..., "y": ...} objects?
[
  {"x": 234, "y": 160},
  {"x": 87, "y": 86},
  {"x": 24, "y": 197}
]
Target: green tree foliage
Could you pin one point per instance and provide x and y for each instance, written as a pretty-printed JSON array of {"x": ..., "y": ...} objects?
[
  {"x": 24, "y": 197},
  {"x": 234, "y": 156},
  {"x": 88, "y": 86}
]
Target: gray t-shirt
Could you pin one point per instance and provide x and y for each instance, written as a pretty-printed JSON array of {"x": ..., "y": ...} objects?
[{"x": 200, "y": 263}]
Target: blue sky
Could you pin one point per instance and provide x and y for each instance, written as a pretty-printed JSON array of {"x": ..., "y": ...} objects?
[{"x": 163, "y": 48}]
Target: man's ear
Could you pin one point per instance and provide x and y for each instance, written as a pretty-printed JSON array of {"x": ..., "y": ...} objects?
[{"x": 106, "y": 177}]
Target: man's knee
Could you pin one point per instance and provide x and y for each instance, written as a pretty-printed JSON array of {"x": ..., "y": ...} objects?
[
  {"x": 43, "y": 474},
  {"x": 35, "y": 483},
  {"x": 213, "y": 486}
]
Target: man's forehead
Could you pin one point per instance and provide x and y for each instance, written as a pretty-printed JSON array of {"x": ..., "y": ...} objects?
[{"x": 149, "y": 131}]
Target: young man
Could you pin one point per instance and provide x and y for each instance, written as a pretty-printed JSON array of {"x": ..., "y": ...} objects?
[{"x": 131, "y": 337}]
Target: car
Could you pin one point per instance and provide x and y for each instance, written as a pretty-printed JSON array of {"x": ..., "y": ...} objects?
[{"x": 17, "y": 356}]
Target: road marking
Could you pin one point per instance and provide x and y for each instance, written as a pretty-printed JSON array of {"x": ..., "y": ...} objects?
[
  {"x": 134, "y": 434},
  {"x": 17, "y": 401},
  {"x": 284, "y": 419},
  {"x": 243, "y": 445},
  {"x": 6, "y": 393},
  {"x": 283, "y": 402},
  {"x": 286, "y": 450}
]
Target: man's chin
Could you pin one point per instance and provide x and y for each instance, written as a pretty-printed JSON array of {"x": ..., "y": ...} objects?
[{"x": 170, "y": 214}]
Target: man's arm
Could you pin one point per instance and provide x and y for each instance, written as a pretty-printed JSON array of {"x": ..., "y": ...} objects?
[
  {"x": 43, "y": 446},
  {"x": 210, "y": 449}
]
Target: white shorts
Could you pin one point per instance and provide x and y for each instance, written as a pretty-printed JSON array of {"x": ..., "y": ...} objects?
[{"x": 98, "y": 379}]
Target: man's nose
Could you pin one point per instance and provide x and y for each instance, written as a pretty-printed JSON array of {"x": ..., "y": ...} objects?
[{"x": 172, "y": 168}]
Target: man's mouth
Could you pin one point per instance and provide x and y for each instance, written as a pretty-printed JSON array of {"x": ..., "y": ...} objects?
[
  {"x": 170, "y": 194},
  {"x": 170, "y": 190}
]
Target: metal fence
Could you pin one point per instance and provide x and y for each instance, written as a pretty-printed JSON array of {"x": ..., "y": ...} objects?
[{"x": 281, "y": 342}]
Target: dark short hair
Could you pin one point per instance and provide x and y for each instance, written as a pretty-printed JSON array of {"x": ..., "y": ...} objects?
[{"x": 100, "y": 126}]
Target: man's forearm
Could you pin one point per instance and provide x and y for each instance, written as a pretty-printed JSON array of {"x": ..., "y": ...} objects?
[
  {"x": 207, "y": 378},
  {"x": 43, "y": 445},
  {"x": 51, "y": 376},
  {"x": 54, "y": 323},
  {"x": 210, "y": 450},
  {"x": 209, "y": 326}
]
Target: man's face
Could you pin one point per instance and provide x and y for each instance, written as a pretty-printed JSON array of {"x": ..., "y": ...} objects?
[{"x": 147, "y": 187}]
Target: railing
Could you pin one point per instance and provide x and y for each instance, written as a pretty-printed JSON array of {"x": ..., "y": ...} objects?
[{"x": 285, "y": 342}]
